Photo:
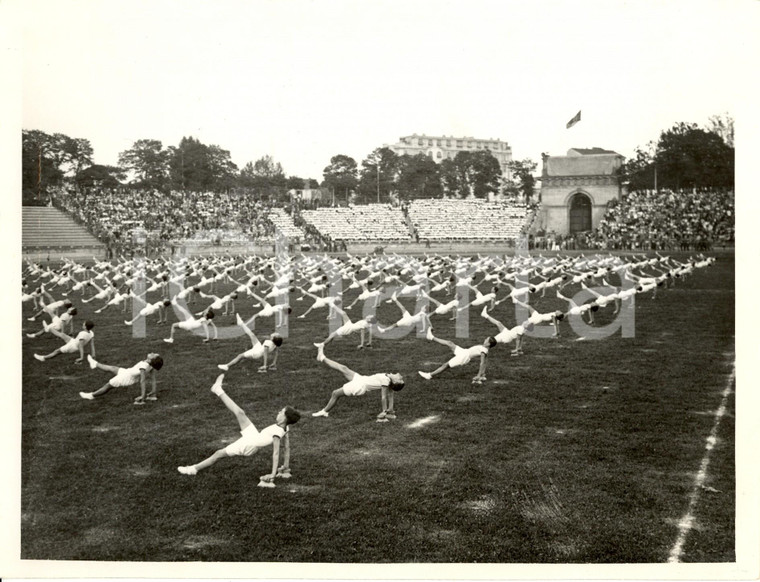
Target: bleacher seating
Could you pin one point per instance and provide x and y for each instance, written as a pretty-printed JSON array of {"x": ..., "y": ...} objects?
[
  {"x": 364, "y": 223},
  {"x": 44, "y": 227},
  {"x": 284, "y": 223},
  {"x": 467, "y": 220}
]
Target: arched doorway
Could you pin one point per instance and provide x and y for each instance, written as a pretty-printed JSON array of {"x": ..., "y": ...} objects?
[{"x": 580, "y": 213}]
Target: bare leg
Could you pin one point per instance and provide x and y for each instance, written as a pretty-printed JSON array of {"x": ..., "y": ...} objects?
[
  {"x": 206, "y": 463},
  {"x": 345, "y": 370},
  {"x": 240, "y": 415},
  {"x": 106, "y": 368},
  {"x": 60, "y": 334},
  {"x": 50, "y": 355},
  {"x": 438, "y": 370},
  {"x": 330, "y": 338},
  {"x": 451, "y": 345},
  {"x": 334, "y": 397},
  {"x": 307, "y": 312},
  {"x": 235, "y": 360},
  {"x": 103, "y": 389},
  {"x": 171, "y": 331},
  {"x": 496, "y": 322}
]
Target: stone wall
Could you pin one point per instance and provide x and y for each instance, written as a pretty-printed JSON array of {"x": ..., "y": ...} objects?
[{"x": 555, "y": 201}]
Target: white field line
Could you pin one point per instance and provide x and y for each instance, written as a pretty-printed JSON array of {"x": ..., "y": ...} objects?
[
  {"x": 686, "y": 523},
  {"x": 423, "y": 421}
]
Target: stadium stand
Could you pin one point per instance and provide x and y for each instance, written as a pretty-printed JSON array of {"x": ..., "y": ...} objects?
[
  {"x": 283, "y": 222},
  {"x": 366, "y": 223},
  {"x": 44, "y": 227},
  {"x": 467, "y": 220},
  {"x": 686, "y": 219},
  {"x": 666, "y": 220},
  {"x": 167, "y": 218}
]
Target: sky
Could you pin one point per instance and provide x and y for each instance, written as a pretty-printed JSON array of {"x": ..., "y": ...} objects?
[{"x": 302, "y": 81}]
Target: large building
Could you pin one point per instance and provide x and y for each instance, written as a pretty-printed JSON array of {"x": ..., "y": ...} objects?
[
  {"x": 441, "y": 147},
  {"x": 576, "y": 188}
]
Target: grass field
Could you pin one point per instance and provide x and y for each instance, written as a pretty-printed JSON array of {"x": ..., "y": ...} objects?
[{"x": 576, "y": 452}]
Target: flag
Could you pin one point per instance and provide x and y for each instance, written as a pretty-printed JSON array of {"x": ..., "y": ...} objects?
[{"x": 574, "y": 120}]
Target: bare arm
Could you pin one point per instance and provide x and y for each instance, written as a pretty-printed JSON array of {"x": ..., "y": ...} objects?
[
  {"x": 141, "y": 398},
  {"x": 284, "y": 469},
  {"x": 384, "y": 398},
  {"x": 275, "y": 460},
  {"x": 483, "y": 363}
]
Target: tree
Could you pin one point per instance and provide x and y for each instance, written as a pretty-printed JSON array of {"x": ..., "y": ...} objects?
[
  {"x": 340, "y": 175},
  {"x": 378, "y": 176},
  {"x": 722, "y": 125},
  {"x": 246, "y": 178},
  {"x": 221, "y": 169},
  {"x": 81, "y": 155},
  {"x": 98, "y": 175},
  {"x": 298, "y": 183},
  {"x": 522, "y": 182},
  {"x": 685, "y": 156},
  {"x": 471, "y": 174},
  {"x": 266, "y": 167},
  {"x": 639, "y": 171},
  {"x": 484, "y": 173},
  {"x": 187, "y": 163},
  {"x": 197, "y": 167},
  {"x": 148, "y": 160},
  {"x": 71, "y": 155},
  {"x": 451, "y": 180},
  {"x": 39, "y": 164},
  {"x": 418, "y": 177},
  {"x": 689, "y": 157},
  {"x": 264, "y": 178}
]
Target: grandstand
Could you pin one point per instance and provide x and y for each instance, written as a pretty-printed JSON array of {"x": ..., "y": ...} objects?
[
  {"x": 467, "y": 220},
  {"x": 283, "y": 222},
  {"x": 44, "y": 227},
  {"x": 356, "y": 224},
  {"x": 687, "y": 219}
]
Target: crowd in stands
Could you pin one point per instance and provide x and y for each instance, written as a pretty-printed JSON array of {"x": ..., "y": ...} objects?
[
  {"x": 667, "y": 219},
  {"x": 464, "y": 220},
  {"x": 380, "y": 223},
  {"x": 166, "y": 219},
  {"x": 284, "y": 222},
  {"x": 693, "y": 219}
]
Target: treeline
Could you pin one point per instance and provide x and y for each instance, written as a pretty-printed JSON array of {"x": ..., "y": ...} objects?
[
  {"x": 50, "y": 161},
  {"x": 385, "y": 176},
  {"x": 685, "y": 156}
]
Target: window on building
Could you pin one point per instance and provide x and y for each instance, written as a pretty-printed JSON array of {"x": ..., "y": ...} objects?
[
  {"x": 419, "y": 142},
  {"x": 430, "y": 142},
  {"x": 448, "y": 143},
  {"x": 439, "y": 155},
  {"x": 459, "y": 143}
]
